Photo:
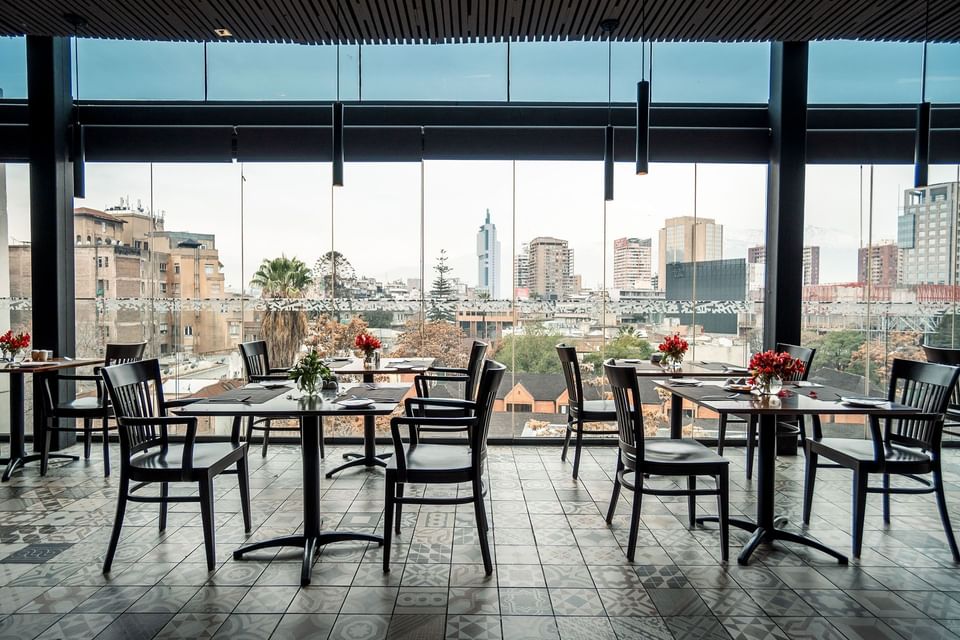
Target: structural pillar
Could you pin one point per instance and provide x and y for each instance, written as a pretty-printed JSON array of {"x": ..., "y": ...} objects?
[{"x": 51, "y": 204}]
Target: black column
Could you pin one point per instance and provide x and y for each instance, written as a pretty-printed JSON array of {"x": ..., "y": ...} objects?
[
  {"x": 785, "y": 184},
  {"x": 51, "y": 199}
]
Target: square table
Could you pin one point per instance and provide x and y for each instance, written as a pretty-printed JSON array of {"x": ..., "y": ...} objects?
[
  {"x": 18, "y": 453},
  {"x": 355, "y": 366},
  {"x": 796, "y": 401},
  {"x": 699, "y": 369},
  {"x": 310, "y": 411}
]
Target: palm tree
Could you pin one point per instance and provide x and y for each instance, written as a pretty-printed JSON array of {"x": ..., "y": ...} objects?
[{"x": 283, "y": 329}]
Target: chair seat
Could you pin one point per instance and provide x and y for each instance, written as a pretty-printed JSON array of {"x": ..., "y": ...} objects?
[
  {"x": 207, "y": 457},
  {"x": 597, "y": 411},
  {"x": 686, "y": 452},
  {"x": 434, "y": 459},
  {"x": 858, "y": 451},
  {"x": 90, "y": 406}
]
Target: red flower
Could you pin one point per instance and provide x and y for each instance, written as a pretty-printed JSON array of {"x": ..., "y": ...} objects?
[
  {"x": 366, "y": 342},
  {"x": 768, "y": 364},
  {"x": 11, "y": 342},
  {"x": 674, "y": 346}
]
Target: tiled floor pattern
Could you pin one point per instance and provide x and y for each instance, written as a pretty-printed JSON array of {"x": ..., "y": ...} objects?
[{"x": 561, "y": 572}]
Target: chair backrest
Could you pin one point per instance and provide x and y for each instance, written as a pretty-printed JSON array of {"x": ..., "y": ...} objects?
[
  {"x": 571, "y": 374},
  {"x": 136, "y": 391},
  {"x": 486, "y": 394},
  {"x": 118, "y": 353},
  {"x": 626, "y": 399},
  {"x": 803, "y": 354},
  {"x": 474, "y": 367},
  {"x": 942, "y": 355},
  {"x": 926, "y": 386},
  {"x": 256, "y": 362}
]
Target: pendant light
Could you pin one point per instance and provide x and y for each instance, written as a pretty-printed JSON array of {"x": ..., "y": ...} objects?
[
  {"x": 77, "y": 143},
  {"x": 608, "y": 26},
  {"x": 336, "y": 119},
  {"x": 921, "y": 153},
  {"x": 643, "y": 99}
]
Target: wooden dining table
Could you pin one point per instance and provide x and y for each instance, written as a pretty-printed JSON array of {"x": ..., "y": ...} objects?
[
  {"x": 388, "y": 366},
  {"x": 17, "y": 374},
  {"x": 796, "y": 400}
]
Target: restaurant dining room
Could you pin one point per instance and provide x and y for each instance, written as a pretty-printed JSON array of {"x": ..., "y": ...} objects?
[{"x": 479, "y": 319}]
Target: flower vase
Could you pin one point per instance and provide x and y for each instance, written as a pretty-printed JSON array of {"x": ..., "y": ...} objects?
[
  {"x": 307, "y": 387},
  {"x": 769, "y": 385},
  {"x": 672, "y": 364},
  {"x": 371, "y": 360}
]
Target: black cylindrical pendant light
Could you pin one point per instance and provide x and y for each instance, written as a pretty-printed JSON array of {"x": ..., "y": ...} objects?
[
  {"x": 643, "y": 127},
  {"x": 79, "y": 161},
  {"x": 337, "y": 144},
  {"x": 234, "y": 146},
  {"x": 608, "y": 163},
  {"x": 921, "y": 145}
]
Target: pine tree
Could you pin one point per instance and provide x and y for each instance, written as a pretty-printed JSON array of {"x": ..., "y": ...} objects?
[{"x": 442, "y": 291}]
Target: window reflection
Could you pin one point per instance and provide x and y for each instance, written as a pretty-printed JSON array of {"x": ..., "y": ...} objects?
[{"x": 13, "y": 67}]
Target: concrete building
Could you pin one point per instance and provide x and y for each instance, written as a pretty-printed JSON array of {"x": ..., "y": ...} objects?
[
  {"x": 521, "y": 271},
  {"x": 632, "y": 264},
  {"x": 927, "y": 234},
  {"x": 689, "y": 239},
  {"x": 488, "y": 260},
  {"x": 879, "y": 264},
  {"x": 550, "y": 269},
  {"x": 756, "y": 267}
]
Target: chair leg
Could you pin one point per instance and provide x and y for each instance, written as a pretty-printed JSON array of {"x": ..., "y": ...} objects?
[
  {"x": 481, "y": 516},
  {"x": 45, "y": 452},
  {"x": 721, "y": 433},
  {"x": 243, "y": 479},
  {"x": 106, "y": 448},
  {"x": 266, "y": 439},
  {"x": 802, "y": 423},
  {"x": 886, "y": 498},
  {"x": 323, "y": 451},
  {"x": 164, "y": 494},
  {"x": 810, "y": 479},
  {"x": 87, "y": 437},
  {"x": 566, "y": 440},
  {"x": 117, "y": 522},
  {"x": 390, "y": 485},
  {"x": 616, "y": 490},
  {"x": 249, "y": 436},
  {"x": 751, "y": 444},
  {"x": 635, "y": 515},
  {"x": 944, "y": 516},
  {"x": 206, "y": 515},
  {"x": 399, "y": 507},
  {"x": 859, "y": 509},
  {"x": 692, "y": 501},
  {"x": 576, "y": 453},
  {"x": 723, "y": 500}
]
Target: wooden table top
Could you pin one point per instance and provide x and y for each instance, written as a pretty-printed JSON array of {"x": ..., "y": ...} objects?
[{"x": 51, "y": 365}]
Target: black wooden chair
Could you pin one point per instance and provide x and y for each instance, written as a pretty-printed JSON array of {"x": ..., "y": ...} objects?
[
  {"x": 87, "y": 409},
  {"x": 905, "y": 447},
  {"x": 256, "y": 366},
  {"x": 580, "y": 411},
  {"x": 803, "y": 354},
  {"x": 415, "y": 462},
  {"x": 149, "y": 456},
  {"x": 639, "y": 456},
  {"x": 468, "y": 378},
  {"x": 941, "y": 355}
]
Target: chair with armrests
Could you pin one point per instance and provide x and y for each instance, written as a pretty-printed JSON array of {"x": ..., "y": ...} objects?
[
  {"x": 87, "y": 408},
  {"x": 580, "y": 411},
  {"x": 416, "y": 462},
  {"x": 256, "y": 366},
  {"x": 907, "y": 447},
  {"x": 804, "y": 355},
  {"x": 942, "y": 355},
  {"x": 639, "y": 456},
  {"x": 468, "y": 378},
  {"x": 149, "y": 456}
]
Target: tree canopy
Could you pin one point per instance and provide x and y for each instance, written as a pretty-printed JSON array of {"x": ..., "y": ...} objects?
[
  {"x": 442, "y": 291},
  {"x": 532, "y": 352},
  {"x": 282, "y": 277}
]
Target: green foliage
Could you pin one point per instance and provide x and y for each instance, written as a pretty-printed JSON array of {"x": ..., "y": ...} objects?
[
  {"x": 378, "y": 318},
  {"x": 282, "y": 277},
  {"x": 310, "y": 372},
  {"x": 534, "y": 352},
  {"x": 835, "y": 349},
  {"x": 625, "y": 345},
  {"x": 441, "y": 291}
]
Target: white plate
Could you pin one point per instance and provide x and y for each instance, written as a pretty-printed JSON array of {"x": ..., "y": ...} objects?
[
  {"x": 403, "y": 366},
  {"x": 356, "y": 403},
  {"x": 862, "y": 402},
  {"x": 685, "y": 382}
]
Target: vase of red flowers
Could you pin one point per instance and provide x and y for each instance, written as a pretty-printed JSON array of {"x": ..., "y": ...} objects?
[
  {"x": 769, "y": 368},
  {"x": 673, "y": 348},
  {"x": 369, "y": 347},
  {"x": 12, "y": 344}
]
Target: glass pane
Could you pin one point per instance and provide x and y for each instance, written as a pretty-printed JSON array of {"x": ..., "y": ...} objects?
[
  {"x": 135, "y": 70},
  {"x": 943, "y": 72},
  {"x": 711, "y": 72},
  {"x": 15, "y": 280},
  {"x": 255, "y": 71},
  {"x": 864, "y": 72},
  {"x": 559, "y": 71},
  {"x": 13, "y": 67},
  {"x": 464, "y": 72}
]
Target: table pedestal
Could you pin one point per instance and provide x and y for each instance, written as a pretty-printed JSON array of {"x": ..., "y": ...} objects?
[
  {"x": 312, "y": 538},
  {"x": 369, "y": 457},
  {"x": 18, "y": 452}
]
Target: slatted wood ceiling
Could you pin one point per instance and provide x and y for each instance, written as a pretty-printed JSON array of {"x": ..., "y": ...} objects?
[{"x": 385, "y": 21}]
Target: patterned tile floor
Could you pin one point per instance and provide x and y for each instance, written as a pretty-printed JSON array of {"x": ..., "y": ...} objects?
[{"x": 560, "y": 572}]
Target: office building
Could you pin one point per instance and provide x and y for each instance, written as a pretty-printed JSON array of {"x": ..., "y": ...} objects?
[
  {"x": 880, "y": 264},
  {"x": 632, "y": 264},
  {"x": 927, "y": 234},
  {"x": 550, "y": 269},
  {"x": 689, "y": 239},
  {"x": 488, "y": 260}
]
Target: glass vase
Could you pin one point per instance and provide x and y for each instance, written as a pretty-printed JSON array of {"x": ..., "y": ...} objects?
[
  {"x": 769, "y": 385},
  {"x": 672, "y": 364}
]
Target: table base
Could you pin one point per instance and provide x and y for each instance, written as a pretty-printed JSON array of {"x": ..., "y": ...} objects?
[
  {"x": 761, "y": 535},
  {"x": 19, "y": 460},
  {"x": 309, "y": 544},
  {"x": 361, "y": 459}
]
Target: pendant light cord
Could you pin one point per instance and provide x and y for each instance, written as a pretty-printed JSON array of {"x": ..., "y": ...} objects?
[
  {"x": 338, "y": 50},
  {"x": 609, "y": 76},
  {"x": 643, "y": 38}
]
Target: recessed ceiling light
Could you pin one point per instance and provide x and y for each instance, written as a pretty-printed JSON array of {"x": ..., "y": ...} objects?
[{"x": 223, "y": 33}]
